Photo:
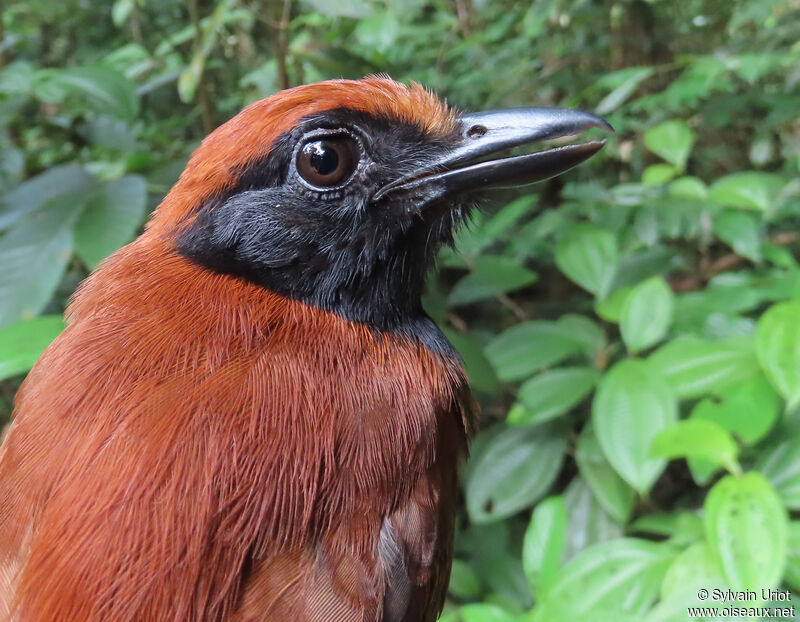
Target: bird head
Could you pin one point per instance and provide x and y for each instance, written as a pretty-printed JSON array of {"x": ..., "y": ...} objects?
[{"x": 339, "y": 194}]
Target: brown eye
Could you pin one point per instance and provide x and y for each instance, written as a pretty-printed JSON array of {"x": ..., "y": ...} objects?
[{"x": 326, "y": 162}]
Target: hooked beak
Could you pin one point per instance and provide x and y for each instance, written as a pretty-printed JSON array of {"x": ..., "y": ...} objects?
[{"x": 485, "y": 134}]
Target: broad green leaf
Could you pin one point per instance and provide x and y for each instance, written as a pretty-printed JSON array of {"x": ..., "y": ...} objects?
[
  {"x": 702, "y": 468},
  {"x": 672, "y": 140},
  {"x": 585, "y": 331},
  {"x": 632, "y": 405},
  {"x": 748, "y": 409},
  {"x": 688, "y": 188},
  {"x": 646, "y": 314},
  {"x": 528, "y": 347},
  {"x": 680, "y": 526},
  {"x": 485, "y": 612},
  {"x": 746, "y": 527},
  {"x": 588, "y": 256},
  {"x": 694, "y": 367},
  {"x": 105, "y": 88},
  {"x": 513, "y": 471},
  {"x": 750, "y": 190},
  {"x": 490, "y": 276},
  {"x": 39, "y": 247},
  {"x": 778, "y": 348},
  {"x": 693, "y": 569},
  {"x": 613, "y": 493},
  {"x": 22, "y": 343},
  {"x": 658, "y": 174},
  {"x": 741, "y": 231},
  {"x": 543, "y": 545},
  {"x": 464, "y": 583},
  {"x": 110, "y": 219},
  {"x": 479, "y": 370},
  {"x": 588, "y": 522},
  {"x": 610, "y": 309},
  {"x": 33, "y": 193},
  {"x": 779, "y": 462},
  {"x": 554, "y": 392},
  {"x": 623, "y": 575},
  {"x": 697, "y": 438}
]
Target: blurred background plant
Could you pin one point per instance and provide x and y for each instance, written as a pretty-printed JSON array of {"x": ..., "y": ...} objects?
[{"x": 632, "y": 329}]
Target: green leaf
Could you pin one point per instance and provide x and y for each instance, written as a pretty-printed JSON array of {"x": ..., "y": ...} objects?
[
  {"x": 624, "y": 83},
  {"x": 111, "y": 218},
  {"x": 21, "y": 344},
  {"x": 106, "y": 89},
  {"x": 778, "y": 348},
  {"x": 632, "y": 405},
  {"x": 693, "y": 569},
  {"x": 588, "y": 256},
  {"x": 479, "y": 370},
  {"x": 588, "y": 523},
  {"x": 658, "y": 174},
  {"x": 554, "y": 392},
  {"x": 622, "y": 575},
  {"x": 779, "y": 462},
  {"x": 646, "y": 314},
  {"x": 585, "y": 331},
  {"x": 698, "y": 438},
  {"x": 513, "y": 471},
  {"x": 543, "y": 545},
  {"x": 688, "y": 188},
  {"x": 672, "y": 140},
  {"x": 478, "y": 235},
  {"x": 741, "y": 231},
  {"x": 748, "y": 409},
  {"x": 613, "y": 493},
  {"x": 528, "y": 347},
  {"x": 489, "y": 277},
  {"x": 38, "y": 246},
  {"x": 747, "y": 190},
  {"x": 792, "y": 575},
  {"x": 610, "y": 309},
  {"x": 680, "y": 526},
  {"x": 694, "y": 367},
  {"x": 746, "y": 527},
  {"x": 484, "y": 612},
  {"x": 464, "y": 583}
]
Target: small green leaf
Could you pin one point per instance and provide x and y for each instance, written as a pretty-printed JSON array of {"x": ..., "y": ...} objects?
[
  {"x": 623, "y": 82},
  {"x": 554, "y": 392},
  {"x": 746, "y": 527},
  {"x": 658, "y": 174},
  {"x": 646, "y": 314},
  {"x": 528, "y": 347},
  {"x": 588, "y": 523},
  {"x": 698, "y": 438},
  {"x": 632, "y": 405},
  {"x": 489, "y": 277},
  {"x": 748, "y": 409},
  {"x": 513, "y": 471},
  {"x": 750, "y": 190},
  {"x": 464, "y": 583},
  {"x": 694, "y": 367},
  {"x": 679, "y": 526},
  {"x": 694, "y": 569},
  {"x": 479, "y": 370},
  {"x": 588, "y": 255},
  {"x": 778, "y": 348},
  {"x": 613, "y": 493},
  {"x": 106, "y": 89},
  {"x": 672, "y": 140},
  {"x": 110, "y": 219},
  {"x": 543, "y": 545},
  {"x": 21, "y": 344}
]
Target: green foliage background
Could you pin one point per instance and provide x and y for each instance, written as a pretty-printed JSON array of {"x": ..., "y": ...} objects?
[{"x": 631, "y": 328}]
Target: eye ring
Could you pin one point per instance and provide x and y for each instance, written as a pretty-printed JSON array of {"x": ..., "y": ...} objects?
[{"x": 327, "y": 161}]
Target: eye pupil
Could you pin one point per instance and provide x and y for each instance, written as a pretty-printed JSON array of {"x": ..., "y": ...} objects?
[
  {"x": 323, "y": 160},
  {"x": 327, "y": 162}
]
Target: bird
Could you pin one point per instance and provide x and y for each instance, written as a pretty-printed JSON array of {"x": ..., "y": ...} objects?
[{"x": 249, "y": 415}]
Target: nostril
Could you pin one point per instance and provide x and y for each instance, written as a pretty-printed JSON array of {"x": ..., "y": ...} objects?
[{"x": 476, "y": 131}]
